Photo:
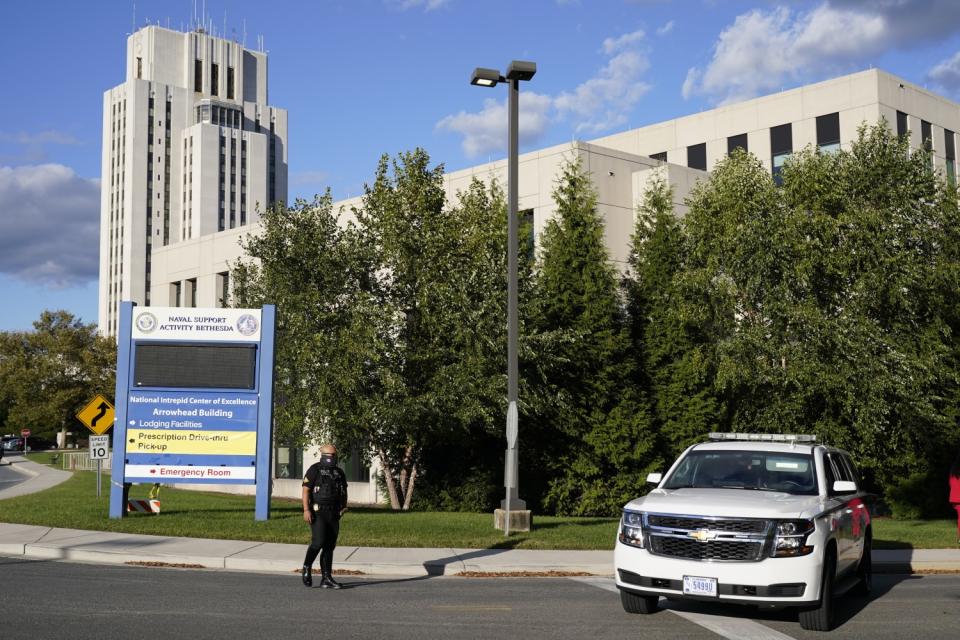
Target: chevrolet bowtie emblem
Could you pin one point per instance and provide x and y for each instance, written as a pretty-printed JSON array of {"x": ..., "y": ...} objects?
[{"x": 702, "y": 535}]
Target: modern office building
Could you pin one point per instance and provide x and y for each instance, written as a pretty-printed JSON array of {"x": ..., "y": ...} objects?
[
  {"x": 176, "y": 248},
  {"x": 191, "y": 151}
]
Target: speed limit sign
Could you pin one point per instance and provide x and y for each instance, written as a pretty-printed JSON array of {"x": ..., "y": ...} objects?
[{"x": 99, "y": 446}]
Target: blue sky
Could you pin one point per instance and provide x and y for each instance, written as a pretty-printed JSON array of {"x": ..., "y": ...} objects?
[{"x": 364, "y": 77}]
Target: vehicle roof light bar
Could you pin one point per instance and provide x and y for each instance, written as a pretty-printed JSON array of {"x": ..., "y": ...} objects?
[{"x": 763, "y": 437}]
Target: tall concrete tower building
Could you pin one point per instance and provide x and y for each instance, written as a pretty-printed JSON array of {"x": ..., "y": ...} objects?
[{"x": 192, "y": 152}]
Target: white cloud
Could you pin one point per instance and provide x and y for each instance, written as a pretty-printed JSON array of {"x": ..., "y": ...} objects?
[
  {"x": 49, "y": 227},
  {"x": 762, "y": 50},
  {"x": 626, "y": 41},
  {"x": 599, "y": 103},
  {"x": 486, "y": 130},
  {"x": 605, "y": 100},
  {"x": 665, "y": 29},
  {"x": 690, "y": 82},
  {"x": 427, "y": 5},
  {"x": 947, "y": 74}
]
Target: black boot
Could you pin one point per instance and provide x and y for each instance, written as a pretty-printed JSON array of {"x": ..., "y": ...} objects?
[
  {"x": 326, "y": 579},
  {"x": 306, "y": 575}
]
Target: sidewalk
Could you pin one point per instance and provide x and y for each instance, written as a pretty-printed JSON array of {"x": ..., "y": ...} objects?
[{"x": 46, "y": 543}]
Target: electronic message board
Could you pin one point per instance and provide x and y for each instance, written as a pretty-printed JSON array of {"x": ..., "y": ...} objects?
[{"x": 194, "y": 398}]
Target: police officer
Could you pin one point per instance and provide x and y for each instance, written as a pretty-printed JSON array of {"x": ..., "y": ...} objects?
[{"x": 324, "y": 501}]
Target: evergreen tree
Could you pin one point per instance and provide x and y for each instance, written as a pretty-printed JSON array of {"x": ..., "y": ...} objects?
[
  {"x": 601, "y": 417},
  {"x": 678, "y": 362}
]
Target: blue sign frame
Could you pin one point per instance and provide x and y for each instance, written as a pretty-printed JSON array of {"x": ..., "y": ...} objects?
[{"x": 203, "y": 421}]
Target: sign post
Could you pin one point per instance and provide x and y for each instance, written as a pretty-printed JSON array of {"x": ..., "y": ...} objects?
[
  {"x": 99, "y": 445},
  {"x": 98, "y": 416},
  {"x": 25, "y": 433}
]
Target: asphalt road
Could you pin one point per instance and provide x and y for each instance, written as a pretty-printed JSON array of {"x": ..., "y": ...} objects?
[
  {"x": 45, "y": 599},
  {"x": 9, "y": 477}
]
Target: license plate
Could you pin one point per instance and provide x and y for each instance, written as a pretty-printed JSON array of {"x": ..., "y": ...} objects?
[{"x": 696, "y": 586}]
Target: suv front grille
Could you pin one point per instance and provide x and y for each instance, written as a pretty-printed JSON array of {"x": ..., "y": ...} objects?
[
  {"x": 708, "y": 539},
  {"x": 711, "y": 550},
  {"x": 689, "y": 523}
]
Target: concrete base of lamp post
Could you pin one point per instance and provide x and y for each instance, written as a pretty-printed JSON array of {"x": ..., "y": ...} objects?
[{"x": 520, "y": 520}]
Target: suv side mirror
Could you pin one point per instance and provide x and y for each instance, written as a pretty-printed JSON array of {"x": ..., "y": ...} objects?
[
  {"x": 654, "y": 478},
  {"x": 844, "y": 486}
]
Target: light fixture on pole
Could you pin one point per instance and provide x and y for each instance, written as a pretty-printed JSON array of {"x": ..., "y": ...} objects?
[{"x": 517, "y": 70}]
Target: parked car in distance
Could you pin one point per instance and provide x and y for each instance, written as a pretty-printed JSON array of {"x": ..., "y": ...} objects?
[{"x": 34, "y": 443}]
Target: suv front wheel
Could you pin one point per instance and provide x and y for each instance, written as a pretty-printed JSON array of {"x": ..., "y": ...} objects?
[
  {"x": 820, "y": 617},
  {"x": 633, "y": 603}
]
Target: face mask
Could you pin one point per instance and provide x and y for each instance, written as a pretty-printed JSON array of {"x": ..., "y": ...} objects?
[{"x": 328, "y": 458}]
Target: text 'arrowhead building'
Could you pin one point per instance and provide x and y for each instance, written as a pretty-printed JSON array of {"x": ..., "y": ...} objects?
[{"x": 191, "y": 151}]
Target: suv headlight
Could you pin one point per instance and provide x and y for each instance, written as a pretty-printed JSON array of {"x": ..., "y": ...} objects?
[
  {"x": 791, "y": 538},
  {"x": 631, "y": 529}
]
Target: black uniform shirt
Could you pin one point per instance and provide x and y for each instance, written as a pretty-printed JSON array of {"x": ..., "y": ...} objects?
[{"x": 313, "y": 474}]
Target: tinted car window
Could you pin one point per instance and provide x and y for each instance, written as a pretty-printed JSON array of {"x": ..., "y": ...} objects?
[{"x": 758, "y": 470}]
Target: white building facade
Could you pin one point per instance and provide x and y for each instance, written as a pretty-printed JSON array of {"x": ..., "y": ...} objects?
[
  {"x": 193, "y": 247},
  {"x": 191, "y": 151}
]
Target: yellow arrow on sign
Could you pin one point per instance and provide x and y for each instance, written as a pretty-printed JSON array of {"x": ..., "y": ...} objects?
[{"x": 97, "y": 415}]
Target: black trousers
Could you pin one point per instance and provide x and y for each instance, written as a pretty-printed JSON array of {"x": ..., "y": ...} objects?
[{"x": 325, "y": 529}]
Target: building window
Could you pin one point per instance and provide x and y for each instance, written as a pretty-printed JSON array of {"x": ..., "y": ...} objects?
[
  {"x": 198, "y": 76},
  {"x": 950, "y": 151},
  {"x": 737, "y": 142},
  {"x": 191, "y": 292},
  {"x": 139, "y": 68},
  {"x": 926, "y": 134},
  {"x": 697, "y": 156},
  {"x": 781, "y": 146},
  {"x": 229, "y": 83},
  {"x": 662, "y": 156},
  {"x": 176, "y": 291},
  {"x": 214, "y": 79},
  {"x": 902, "y": 129},
  {"x": 828, "y": 133},
  {"x": 223, "y": 287},
  {"x": 353, "y": 466},
  {"x": 288, "y": 462}
]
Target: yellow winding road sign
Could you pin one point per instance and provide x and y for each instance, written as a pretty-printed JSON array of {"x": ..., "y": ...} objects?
[{"x": 97, "y": 415}]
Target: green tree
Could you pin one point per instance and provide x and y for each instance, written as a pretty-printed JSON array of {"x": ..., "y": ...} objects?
[
  {"x": 388, "y": 319},
  {"x": 48, "y": 374},
  {"x": 678, "y": 361},
  {"x": 306, "y": 264},
  {"x": 602, "y": 415},
  {"x": 826, "y": 298}
]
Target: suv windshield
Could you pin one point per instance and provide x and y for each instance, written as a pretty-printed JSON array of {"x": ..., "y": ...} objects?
[{"x": 758, "y": 470}]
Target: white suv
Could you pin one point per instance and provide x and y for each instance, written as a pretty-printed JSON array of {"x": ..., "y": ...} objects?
[{"x": 762, "y": 519}]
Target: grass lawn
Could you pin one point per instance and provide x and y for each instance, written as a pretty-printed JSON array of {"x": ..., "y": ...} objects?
[
  {"x": 74, "y": 504},
  {"x": 914, "y": 534}
]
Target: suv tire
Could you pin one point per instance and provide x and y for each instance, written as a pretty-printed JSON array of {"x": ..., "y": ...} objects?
[
  {"x": 865, "y": 569},
  {"x": 820, "y": 617},
  {"x": 633, "y": 603}
]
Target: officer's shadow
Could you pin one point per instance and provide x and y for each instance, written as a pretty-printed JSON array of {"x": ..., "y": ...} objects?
[
  {"x": 355, "y": 584},
  {"x": 437, "y": 567}
]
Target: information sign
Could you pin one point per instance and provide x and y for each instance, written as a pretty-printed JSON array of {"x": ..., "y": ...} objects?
[{"x": 194, "y": 399}]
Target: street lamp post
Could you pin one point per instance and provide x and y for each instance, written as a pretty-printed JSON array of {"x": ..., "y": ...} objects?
[{"x": 517, "y": 70}]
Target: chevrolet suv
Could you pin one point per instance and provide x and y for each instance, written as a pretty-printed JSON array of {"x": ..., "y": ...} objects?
[{"x": 762, "y": 519}]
